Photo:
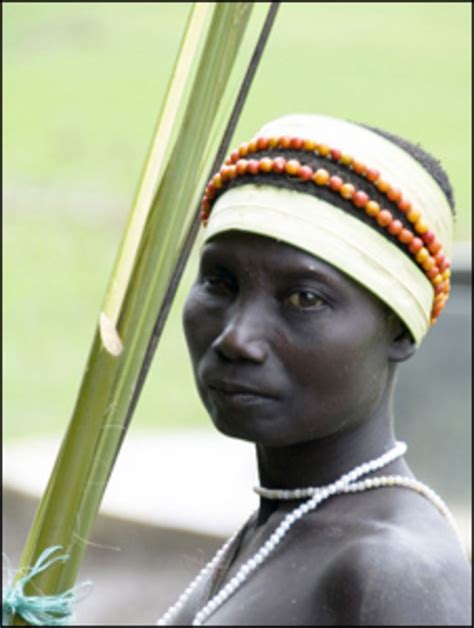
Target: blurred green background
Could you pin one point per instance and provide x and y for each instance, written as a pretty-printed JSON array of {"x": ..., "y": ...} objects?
[{"x": 83, "y": 83}]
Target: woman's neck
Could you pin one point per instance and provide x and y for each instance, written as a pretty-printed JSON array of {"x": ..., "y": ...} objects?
[{"x": 322, "y": 461}]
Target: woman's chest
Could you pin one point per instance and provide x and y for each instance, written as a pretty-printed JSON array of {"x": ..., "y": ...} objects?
[{"x": 287, "y": 588}]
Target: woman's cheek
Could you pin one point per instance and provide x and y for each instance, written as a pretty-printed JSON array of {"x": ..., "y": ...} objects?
[
  {"x": 192, "y": 314},
  {"x": 189, "y": 309},
  {"x": 200, "y": 319}
]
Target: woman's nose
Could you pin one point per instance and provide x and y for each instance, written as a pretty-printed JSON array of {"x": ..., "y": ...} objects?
[{"x": 243, "y": 336}]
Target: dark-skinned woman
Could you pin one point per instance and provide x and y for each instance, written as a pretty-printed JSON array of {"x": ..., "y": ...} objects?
[{"x": 325, "y": 262}]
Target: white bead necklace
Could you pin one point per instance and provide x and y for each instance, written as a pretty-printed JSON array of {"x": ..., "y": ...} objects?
[{"x": 345, "y": 484}]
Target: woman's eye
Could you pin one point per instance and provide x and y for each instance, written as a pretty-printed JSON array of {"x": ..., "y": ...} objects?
[
  {"x": 304, "y": 299},
  {"x": 217, "y": 283}
]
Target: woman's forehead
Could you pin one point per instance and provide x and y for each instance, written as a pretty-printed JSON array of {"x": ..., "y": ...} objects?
[
  {"x": 244, "y": 249},
  {"x": 239, "y": 242}
]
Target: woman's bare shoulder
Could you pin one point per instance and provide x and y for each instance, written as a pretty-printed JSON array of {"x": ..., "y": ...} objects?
[{"x": 410, "y": 572}]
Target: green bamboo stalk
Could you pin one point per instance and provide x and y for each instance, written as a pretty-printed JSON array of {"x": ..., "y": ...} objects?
[
  {"x": 172, "y": 182},
  {"x": 153, "y": 168}
]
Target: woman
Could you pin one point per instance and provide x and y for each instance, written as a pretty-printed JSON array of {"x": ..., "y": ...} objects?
[{"x": 325, "y": 262}]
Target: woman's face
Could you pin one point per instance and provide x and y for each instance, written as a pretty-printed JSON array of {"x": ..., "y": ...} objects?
[{"x": 285, "y": 348}]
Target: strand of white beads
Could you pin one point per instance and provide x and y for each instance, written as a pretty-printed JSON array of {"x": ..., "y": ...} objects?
[
  {"x": 173, "y": 610},
  {"x": 247, "y": 568},
  {"x": 300, "y": 493},
  {"x": 414, "y": 485}
]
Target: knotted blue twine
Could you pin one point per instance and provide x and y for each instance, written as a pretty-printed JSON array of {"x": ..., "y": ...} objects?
[{"x": 39, "y": 610}]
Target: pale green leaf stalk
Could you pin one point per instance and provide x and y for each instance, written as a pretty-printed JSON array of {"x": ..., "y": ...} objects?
[{"x": 172, "y": 182}]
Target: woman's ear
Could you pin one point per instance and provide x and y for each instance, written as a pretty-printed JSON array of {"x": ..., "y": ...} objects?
[{"x": 402, "y": 345}]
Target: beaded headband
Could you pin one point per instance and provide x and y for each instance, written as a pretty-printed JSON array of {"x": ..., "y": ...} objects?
[{"x": 416, "y": 237}]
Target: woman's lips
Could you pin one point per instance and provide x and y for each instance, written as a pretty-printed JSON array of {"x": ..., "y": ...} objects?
[{"x": 238, "y": 393}]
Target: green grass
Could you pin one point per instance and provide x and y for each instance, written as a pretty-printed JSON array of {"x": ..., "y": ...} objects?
[
  {"x": 82, "y": 87},
  {"x": 49, "y": 320}
]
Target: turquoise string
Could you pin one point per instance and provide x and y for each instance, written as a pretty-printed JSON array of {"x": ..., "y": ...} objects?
[{"x": 39, "y": 610}]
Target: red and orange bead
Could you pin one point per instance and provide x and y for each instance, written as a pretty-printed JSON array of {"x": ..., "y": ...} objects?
[
  {"x": 310, "y": 145},
  {"x": 345, "y": 160},
  {"x": 253, "y": 166},
  {"x": 428, "y": 236},
  {"x": 439, "y": 258},
  {"x": 421, "y": 227},
  {"x": 384, "y": 217},
  {"x": 437, "y": 309},
  {"x": 296, "y": 143},
  {"x": 422, "y": 255},
  {"x": 371, "y": 174},
  {"x": 241, "y": 166},
  {"x": 394, "y": 194},
  {"x": 445, "y": 265},
  {"x": 372, "y": 208},
  {"x": 217, "y": 181},
  {"x": 404, "y": 205},
  {"x": 382, "y": 185},
  {"x": 434, "y": 247},
  {"x": 305, "y": 173},
  {"x": 323, "y": 150},
  {"x": 266, "y": 164},
  {"x": 405, "y": 236},
  {"x": 234, "y": 156},
  {"x": 415, "y": 245},
  {"x": 321, "y": 177},
  {"x": 279, "y": 164},
  {"x": 358, "y": 167},
  {"x": 284, "y": 142},
  {"x": 205, "y": 204},
  {"x": 252, "y": 146},
  {"x": 433, "y": 272},
  {"x": 210, "y": 191},
  {"x": 360, "y": 199},
  {"x": 223, "y": 174},
  {"x": 441, "y": 286},
  {"x": 442, "y": 298},
  {"x": 335, "y": 183},
  {"x": 429, "y": 263},
  {"x": 347, "y": 190},
  {"x": 413, "y": 216},
  {"x": 292, "y": 166},
  {"x": 243, "y": 150},
  {"x": 395, "y": 227}
]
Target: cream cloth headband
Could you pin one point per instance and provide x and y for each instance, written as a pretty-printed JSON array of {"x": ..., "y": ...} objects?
[
  {"x": 397, "y": 166},
  {"x": 331, "y": 234}
]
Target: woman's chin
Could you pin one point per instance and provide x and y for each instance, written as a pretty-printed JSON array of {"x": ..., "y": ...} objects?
[
  {"x": 263, "y": 431},
  {"x": 270, "y": 430},
  {"x": 260, "y": 432}
]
